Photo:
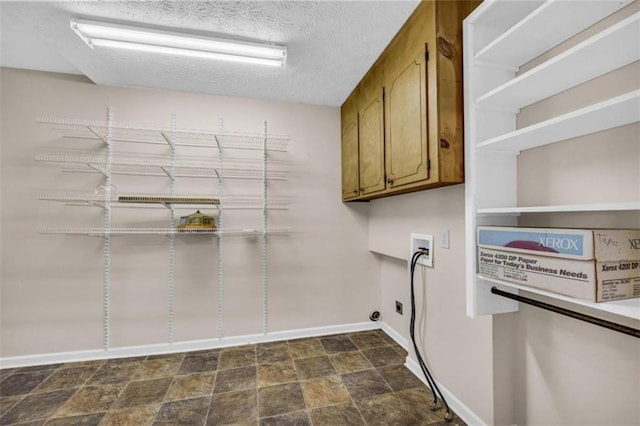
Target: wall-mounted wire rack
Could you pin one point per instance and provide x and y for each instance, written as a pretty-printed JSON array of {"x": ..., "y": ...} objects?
[
  {"x": 218, "y": 165},
  {"x": 147, "y": 165},
  {"x": 120, "y": 132}
]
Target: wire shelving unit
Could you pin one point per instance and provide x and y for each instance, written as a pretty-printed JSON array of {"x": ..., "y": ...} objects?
[{"x": 219, "y": 164}]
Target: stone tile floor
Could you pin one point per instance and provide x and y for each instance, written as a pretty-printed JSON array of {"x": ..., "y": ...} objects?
[{"x": 340, "y": 380}]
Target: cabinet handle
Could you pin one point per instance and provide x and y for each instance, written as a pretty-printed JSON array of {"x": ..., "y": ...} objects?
[
  {"x": 390, "y": 181},
  {"x": 355, "y": 191}
]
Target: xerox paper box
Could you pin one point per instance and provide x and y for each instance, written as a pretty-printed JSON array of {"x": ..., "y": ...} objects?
[
  {"x": 565, "y": 243},
  {"x": 616, "y": 244},
  {"x": 597, "y": 265},
  {"x": 584, "y": 244},
  {"x": 574, "y": 278},
  {"x": 617, "y": 279}
]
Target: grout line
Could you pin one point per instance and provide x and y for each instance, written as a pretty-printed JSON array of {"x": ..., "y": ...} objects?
[
  {"x": 34, "y": 390},
  {"x": 95, "y": 372},
  {"x": 256, "y": 387},
  {"x": 14, "y": 405},
  {"x": 353, "y": 402},
  {"x": 213, "y": 386},
  {"x": 166, "y": 392},
  {"x": 87, "y": 381},
  {"x": 173, "y": 380}
]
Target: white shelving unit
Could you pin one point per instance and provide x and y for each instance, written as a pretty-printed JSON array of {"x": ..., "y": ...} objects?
[
  {"x": 499, "y": 37},
  {"x": 217, "y": 164}
]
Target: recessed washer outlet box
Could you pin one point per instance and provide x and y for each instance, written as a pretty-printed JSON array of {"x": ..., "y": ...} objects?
[{"x": 425, "y": 241}]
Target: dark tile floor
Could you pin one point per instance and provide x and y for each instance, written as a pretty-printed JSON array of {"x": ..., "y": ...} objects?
[{"x": 340, "y": 380}]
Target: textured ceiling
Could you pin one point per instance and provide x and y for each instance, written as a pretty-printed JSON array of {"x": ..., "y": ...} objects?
[{"x": 330, "y": 44}]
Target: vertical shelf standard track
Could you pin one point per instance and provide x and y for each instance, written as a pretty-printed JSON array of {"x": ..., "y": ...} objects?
[
  {"x": 220, "y": 235},
  {"x": 172, "y": 225},
  {"x": 107, "y": 236},
  {"x": 265, "y": 281}
]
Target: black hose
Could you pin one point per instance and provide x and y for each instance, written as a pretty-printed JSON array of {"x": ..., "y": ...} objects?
[
  {"x": 427, "y": 374},
  {"x": 414, "y": 260},
  {"x": 423, "y": 367},
  {"x": 421, "y": 362}
]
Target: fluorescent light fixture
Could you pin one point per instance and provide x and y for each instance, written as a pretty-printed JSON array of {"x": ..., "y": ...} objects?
[{"x": 117, "y": 36}]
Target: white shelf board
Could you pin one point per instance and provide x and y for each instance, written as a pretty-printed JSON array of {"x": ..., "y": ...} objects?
[
  {"x": 629, "y": 308},
  {"x": 606, "y": 207},
  {"x": 614, "y": 112},
  {"x": 550, "y": 24},
  {"x": 502, "y": 13},
  {"x": 608, "y": 50}
]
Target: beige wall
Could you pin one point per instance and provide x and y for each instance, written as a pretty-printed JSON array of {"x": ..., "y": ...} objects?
[
  {"x": 458, "y": 350},
  {"x": 51, "y": 295}
]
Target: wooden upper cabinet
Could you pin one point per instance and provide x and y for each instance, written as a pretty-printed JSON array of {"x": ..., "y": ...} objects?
[
  {"x": 371, "y": 133},
  {"x": 409, "y": 109},
  {"x": 349, "y": 117},
  {"x": 407, "y": 147}
]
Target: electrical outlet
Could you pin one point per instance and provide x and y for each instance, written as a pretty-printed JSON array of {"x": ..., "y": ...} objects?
[
  {"x": 399, "y": 307},
  {"x": 426, "y": 241},
  {"x": 444, "y": 242}
]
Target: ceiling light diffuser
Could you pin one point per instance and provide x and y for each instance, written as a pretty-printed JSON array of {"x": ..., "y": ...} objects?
[{"x": 101, "y": 34}]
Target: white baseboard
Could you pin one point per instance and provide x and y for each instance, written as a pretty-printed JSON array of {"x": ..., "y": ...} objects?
[
  {"x": 320, "y": 331},
  {"x": 395, "y": 336},
  {"x": 464, "y": 412},
  {"x": 186, "y": 346}
]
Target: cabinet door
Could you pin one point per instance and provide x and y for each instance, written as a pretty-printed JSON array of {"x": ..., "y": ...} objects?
[
  {"x": 371, "y": 133},
  {"x": 350, "y": 184},
  {"x": 407, "y": 149}
]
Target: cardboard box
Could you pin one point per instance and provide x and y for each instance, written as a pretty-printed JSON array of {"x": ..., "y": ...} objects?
[{"x": 597, "y": 265}]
